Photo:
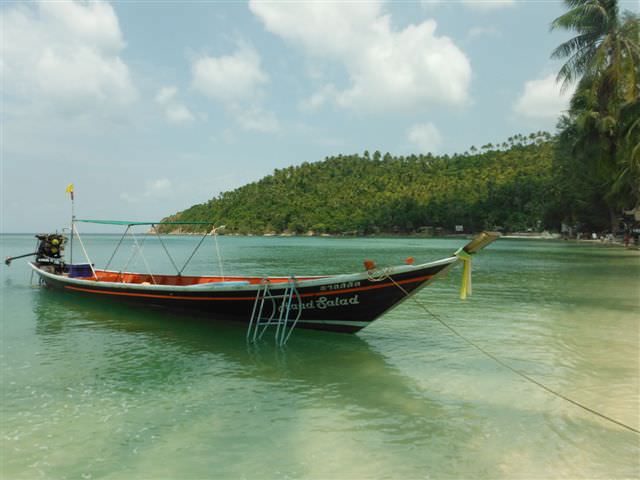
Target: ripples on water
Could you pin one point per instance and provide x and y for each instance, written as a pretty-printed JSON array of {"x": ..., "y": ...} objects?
[{"x": 94, "y": 390}]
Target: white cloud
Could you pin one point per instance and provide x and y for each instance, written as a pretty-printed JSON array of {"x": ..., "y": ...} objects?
[
  {"x": 478, "y": 5},
  {"x": 235, "y": 81},
  {"x": 254, "y": 118},
  {"x": 229, "y": 77},
  {"x": 65, "y": 55},
  {"x": 431, "y": 3},
  {"x": 388, "y": 69},
  {"x": 178, "y": 113},
  {"x": 158, "y": 188},
  {"x": 425, "y": 136},
  {"x": 542, "y": 99},
  {"x": 319, "y": 98},
  {"x": 166, "y": 94},
  {"x": 488, "y": 4},
  {"x": 475, "y": 32},
  {"x": 154, "y": 190},
  {"x": 174, "y": 111}
]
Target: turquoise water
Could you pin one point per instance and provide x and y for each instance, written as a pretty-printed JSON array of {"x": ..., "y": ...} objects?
[{"x": 95, "y": 390}]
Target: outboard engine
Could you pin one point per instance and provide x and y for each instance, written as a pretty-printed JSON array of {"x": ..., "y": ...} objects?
[
  {"x": 48, "y": 252},
  {"x": 50, "y": 247}
]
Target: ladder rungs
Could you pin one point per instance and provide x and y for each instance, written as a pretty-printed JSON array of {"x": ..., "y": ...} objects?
[{"x": 258, "y": 323}]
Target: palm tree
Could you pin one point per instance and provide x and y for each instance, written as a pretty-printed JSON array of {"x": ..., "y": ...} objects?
[{"x": 603, "y": 61}]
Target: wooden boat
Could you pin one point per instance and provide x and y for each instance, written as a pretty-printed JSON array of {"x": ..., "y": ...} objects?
[
  {"x": 344, "y": 303},
  {"x": 339, "y": 303}
]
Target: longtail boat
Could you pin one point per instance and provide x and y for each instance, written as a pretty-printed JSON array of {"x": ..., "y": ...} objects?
[{"x": 338, "y": 303}]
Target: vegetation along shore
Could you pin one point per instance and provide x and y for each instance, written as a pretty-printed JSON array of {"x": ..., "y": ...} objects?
[{"x": 583, "y": 178}]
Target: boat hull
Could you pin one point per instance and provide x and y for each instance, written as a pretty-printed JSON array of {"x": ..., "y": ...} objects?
[{"x": 343, "y": 303}]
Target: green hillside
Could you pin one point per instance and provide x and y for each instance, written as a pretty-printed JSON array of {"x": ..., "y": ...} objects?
[{"x": 509, "y": 185}]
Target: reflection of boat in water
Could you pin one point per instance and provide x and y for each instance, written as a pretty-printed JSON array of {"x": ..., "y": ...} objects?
[
  {"x": 154, "y": 349},
  {"x": 341, "y": 303}
]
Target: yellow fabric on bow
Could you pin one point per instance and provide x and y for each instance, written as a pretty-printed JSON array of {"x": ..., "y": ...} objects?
[{"x": 465, "y": 288}]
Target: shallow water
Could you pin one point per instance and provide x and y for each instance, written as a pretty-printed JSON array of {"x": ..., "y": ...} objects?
[{"x": 95, "y": 390}]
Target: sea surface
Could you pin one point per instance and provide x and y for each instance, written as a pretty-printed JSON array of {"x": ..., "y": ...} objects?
[{"x": 92, "y": 389}]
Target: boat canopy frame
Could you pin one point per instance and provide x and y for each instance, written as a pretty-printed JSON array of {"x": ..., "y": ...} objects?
[
  {"x": 138, "y": 245},
  {"x": 133, "y": 223}
]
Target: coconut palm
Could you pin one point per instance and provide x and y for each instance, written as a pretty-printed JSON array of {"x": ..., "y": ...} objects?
[
  {"x": 605, "y": 41},
  {"x": 603, "y": 61}
]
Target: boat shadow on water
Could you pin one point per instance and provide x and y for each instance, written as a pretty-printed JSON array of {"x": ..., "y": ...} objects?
[{"x": 343, "y": 371}]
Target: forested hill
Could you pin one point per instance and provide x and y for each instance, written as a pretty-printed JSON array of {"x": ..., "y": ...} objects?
[{"x": 508, "y": 185}]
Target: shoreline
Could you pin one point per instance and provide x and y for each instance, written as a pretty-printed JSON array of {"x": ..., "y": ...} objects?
[{"x": 511, "y": 236}]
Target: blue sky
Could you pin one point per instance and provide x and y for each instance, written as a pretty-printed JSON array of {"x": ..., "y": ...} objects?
[{"x": 150, "y": 107}]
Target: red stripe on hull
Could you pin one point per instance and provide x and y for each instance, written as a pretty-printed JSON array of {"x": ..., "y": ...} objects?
[
  {"x": 323, "y": 293},
  {"x": 340, "y": 310}
]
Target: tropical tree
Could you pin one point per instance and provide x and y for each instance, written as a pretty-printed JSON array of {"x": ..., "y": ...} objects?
[{"x": 603, "y": 61}]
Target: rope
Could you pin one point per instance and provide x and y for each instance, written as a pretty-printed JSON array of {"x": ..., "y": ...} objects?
[
  {"x": 144, "y": 259},
  {"x": 134, "y": 252},
  {"x": 85, "y": 254},
  {"x": 510, "y": 368},
  {"x": 380, "y": 275},
  {"x": 192, "y": 254},
  {"x": 214, "y": 232},
  {"x": 106, "y": 267},
  {"x": 153, "y": 227}
]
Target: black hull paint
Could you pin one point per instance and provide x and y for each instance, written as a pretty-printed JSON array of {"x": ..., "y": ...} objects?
[{"x": 324, "y": 307}]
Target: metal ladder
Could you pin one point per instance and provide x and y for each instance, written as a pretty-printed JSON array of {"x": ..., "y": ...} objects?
[{"x": 279, "y": 316}]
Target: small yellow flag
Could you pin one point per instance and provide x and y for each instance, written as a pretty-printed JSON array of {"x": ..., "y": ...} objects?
[{"x": 69, "y": 188}]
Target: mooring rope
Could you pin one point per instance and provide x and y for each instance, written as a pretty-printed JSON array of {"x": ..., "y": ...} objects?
[{"x": 509, "y": 367}]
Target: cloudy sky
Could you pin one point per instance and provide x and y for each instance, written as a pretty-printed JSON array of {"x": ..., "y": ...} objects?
[{"x": 150, "y": 107}]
